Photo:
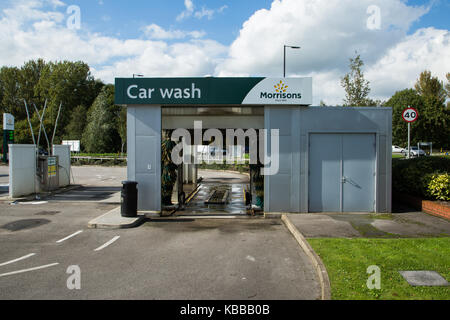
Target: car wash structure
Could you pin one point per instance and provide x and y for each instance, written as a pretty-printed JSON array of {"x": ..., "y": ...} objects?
[{"x": 320, "y": 159}]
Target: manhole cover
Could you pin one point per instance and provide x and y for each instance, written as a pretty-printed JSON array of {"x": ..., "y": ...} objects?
[
  {"x": 424, "y": 278},
  {"x": 24, "y": 224},
  {"x": 46, "y": 213}
]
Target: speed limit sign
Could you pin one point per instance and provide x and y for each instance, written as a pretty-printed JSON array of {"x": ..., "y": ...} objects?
[{"x": 410, "y": 114}]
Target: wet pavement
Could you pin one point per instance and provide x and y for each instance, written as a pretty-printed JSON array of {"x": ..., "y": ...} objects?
[{"x": 234, "y": 183}]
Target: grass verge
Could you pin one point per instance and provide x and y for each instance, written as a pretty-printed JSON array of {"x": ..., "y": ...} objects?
[{"x": 347, "y": 260}]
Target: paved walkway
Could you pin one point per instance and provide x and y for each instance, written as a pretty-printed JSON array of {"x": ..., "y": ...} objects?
[{"x": 400, "y": 224}]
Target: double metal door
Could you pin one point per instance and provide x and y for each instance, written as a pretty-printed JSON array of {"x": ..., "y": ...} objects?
[{"x": 342, "y": 172}]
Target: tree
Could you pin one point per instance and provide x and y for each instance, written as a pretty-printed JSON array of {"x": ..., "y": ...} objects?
[
  {"x": 427, "y": 86},
  {"x": 100, "y": 134},
  {"x": 447, "y": 88},
  {"x": 28, "y": 78},
  {"x": 74, "y": 130},
  {"x": 356, "y": 87},
  {"x": 376, "y": 102},
  {"x": 122, "y": 127},
  {"x": 434, "y": 125},
  {"x": 431, "y": 126},
  {"x": 398, "y": 102},
  {"x": 11, "y": 102},
  {"x": 69, "y": 84},
  {"x": 37, "y": 81}
]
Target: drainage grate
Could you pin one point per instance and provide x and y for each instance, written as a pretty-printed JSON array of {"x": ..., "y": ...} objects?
[
  {"x": 218, "y": 196},
  {"x": 24, "y": 224}
]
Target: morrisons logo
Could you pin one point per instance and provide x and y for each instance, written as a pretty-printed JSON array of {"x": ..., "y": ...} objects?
[{"x": 280, "y": 93}]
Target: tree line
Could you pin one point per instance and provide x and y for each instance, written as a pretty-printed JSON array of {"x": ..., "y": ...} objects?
[
  {"x": 428, "y": 97},
  {"x": 90, "y": 115},
  {"x": 88, "y": 112}
]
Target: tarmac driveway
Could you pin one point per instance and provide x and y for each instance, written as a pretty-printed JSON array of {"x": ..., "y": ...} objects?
[
  {"x": 245, "y": 258},
  {"x": 184, "y": 259}
]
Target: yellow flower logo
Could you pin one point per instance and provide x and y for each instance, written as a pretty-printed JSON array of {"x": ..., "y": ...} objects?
[{"x": 280, "y": 87}]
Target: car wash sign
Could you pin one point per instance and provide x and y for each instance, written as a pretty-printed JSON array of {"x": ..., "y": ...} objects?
[{"x": 213, "y": 91}]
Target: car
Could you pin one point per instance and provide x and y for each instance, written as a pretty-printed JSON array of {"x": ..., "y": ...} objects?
[
  {"x": 415, "y": 152},
  {"x": 396, "y": 149}
]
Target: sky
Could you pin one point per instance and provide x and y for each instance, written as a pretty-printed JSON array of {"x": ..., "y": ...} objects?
[{"x": 397, "y": 39}]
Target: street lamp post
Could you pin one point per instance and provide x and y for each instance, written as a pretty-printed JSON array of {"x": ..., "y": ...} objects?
[{"x": 284, "y": 59}]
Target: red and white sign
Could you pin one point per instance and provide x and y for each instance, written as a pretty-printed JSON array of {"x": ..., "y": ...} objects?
[{"x": 410, "y": 114}]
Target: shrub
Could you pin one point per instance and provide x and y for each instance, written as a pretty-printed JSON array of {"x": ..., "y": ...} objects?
[
  {"x": 408, "y": 175},
  {"x": 437, "y": 185}
]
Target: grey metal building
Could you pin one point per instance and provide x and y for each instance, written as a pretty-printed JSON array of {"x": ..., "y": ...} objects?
[{"x": 331, "y": 159}]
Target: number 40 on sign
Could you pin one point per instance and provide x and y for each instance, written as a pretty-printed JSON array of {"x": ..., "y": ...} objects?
[{"x": 410, "y": 114}]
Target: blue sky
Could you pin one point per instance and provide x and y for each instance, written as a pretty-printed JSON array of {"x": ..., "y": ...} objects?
[
  {"x": 223, "y": 27},
  {"x": 124, "y": 19},
  {"x": 235, "y": 38},
  {"x": 438, "y": 16}
]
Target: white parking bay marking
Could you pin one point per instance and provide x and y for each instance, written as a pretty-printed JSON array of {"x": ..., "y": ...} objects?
[
  {"x": 107, "y": 244},
  {"x": 34, "y": 203},
  {"x": 68, "y": 237},
  {"x": 18, "y": 259},
  {"x": 30, "y": 269}
]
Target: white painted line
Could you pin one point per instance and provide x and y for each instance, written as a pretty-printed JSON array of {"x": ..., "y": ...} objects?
[
  {"x": 107, "y": 244},
  {"x": 33, "y": 203},
  {"x": 18, "y": 259},
  {"x": 27, "y": 270},
  {"x": 68, "y": 237}
]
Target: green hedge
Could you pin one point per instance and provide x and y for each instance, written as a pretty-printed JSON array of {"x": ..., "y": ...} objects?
[{"x": 425, "y": 177}]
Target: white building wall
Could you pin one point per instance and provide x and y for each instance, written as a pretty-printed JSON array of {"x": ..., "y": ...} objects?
[
  {"x": 63, "y": 153},
  {"x": 22, "y": 170}
]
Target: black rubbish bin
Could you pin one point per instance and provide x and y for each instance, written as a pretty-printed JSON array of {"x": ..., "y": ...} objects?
[{"x": 128, "y": 207}]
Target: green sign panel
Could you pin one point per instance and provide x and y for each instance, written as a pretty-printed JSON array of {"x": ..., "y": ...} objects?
[
  {"x": 8, "y": 138},
  {"x": 213, "y": 91}
]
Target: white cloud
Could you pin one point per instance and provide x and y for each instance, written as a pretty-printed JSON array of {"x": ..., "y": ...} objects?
[
  {"x": 329, "y": 32},
  {"x": 209, "y": 13},
  {"x": 400, "y": 67},
  {"x": 193, "y": 58},
  {"x": 154, "y": 31},
  {"x": 189, "y": 9},
  {"x": 38, "y": 34},
  {"x": 324, "y": 30},
  {"x": 204, "y": 12}
]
